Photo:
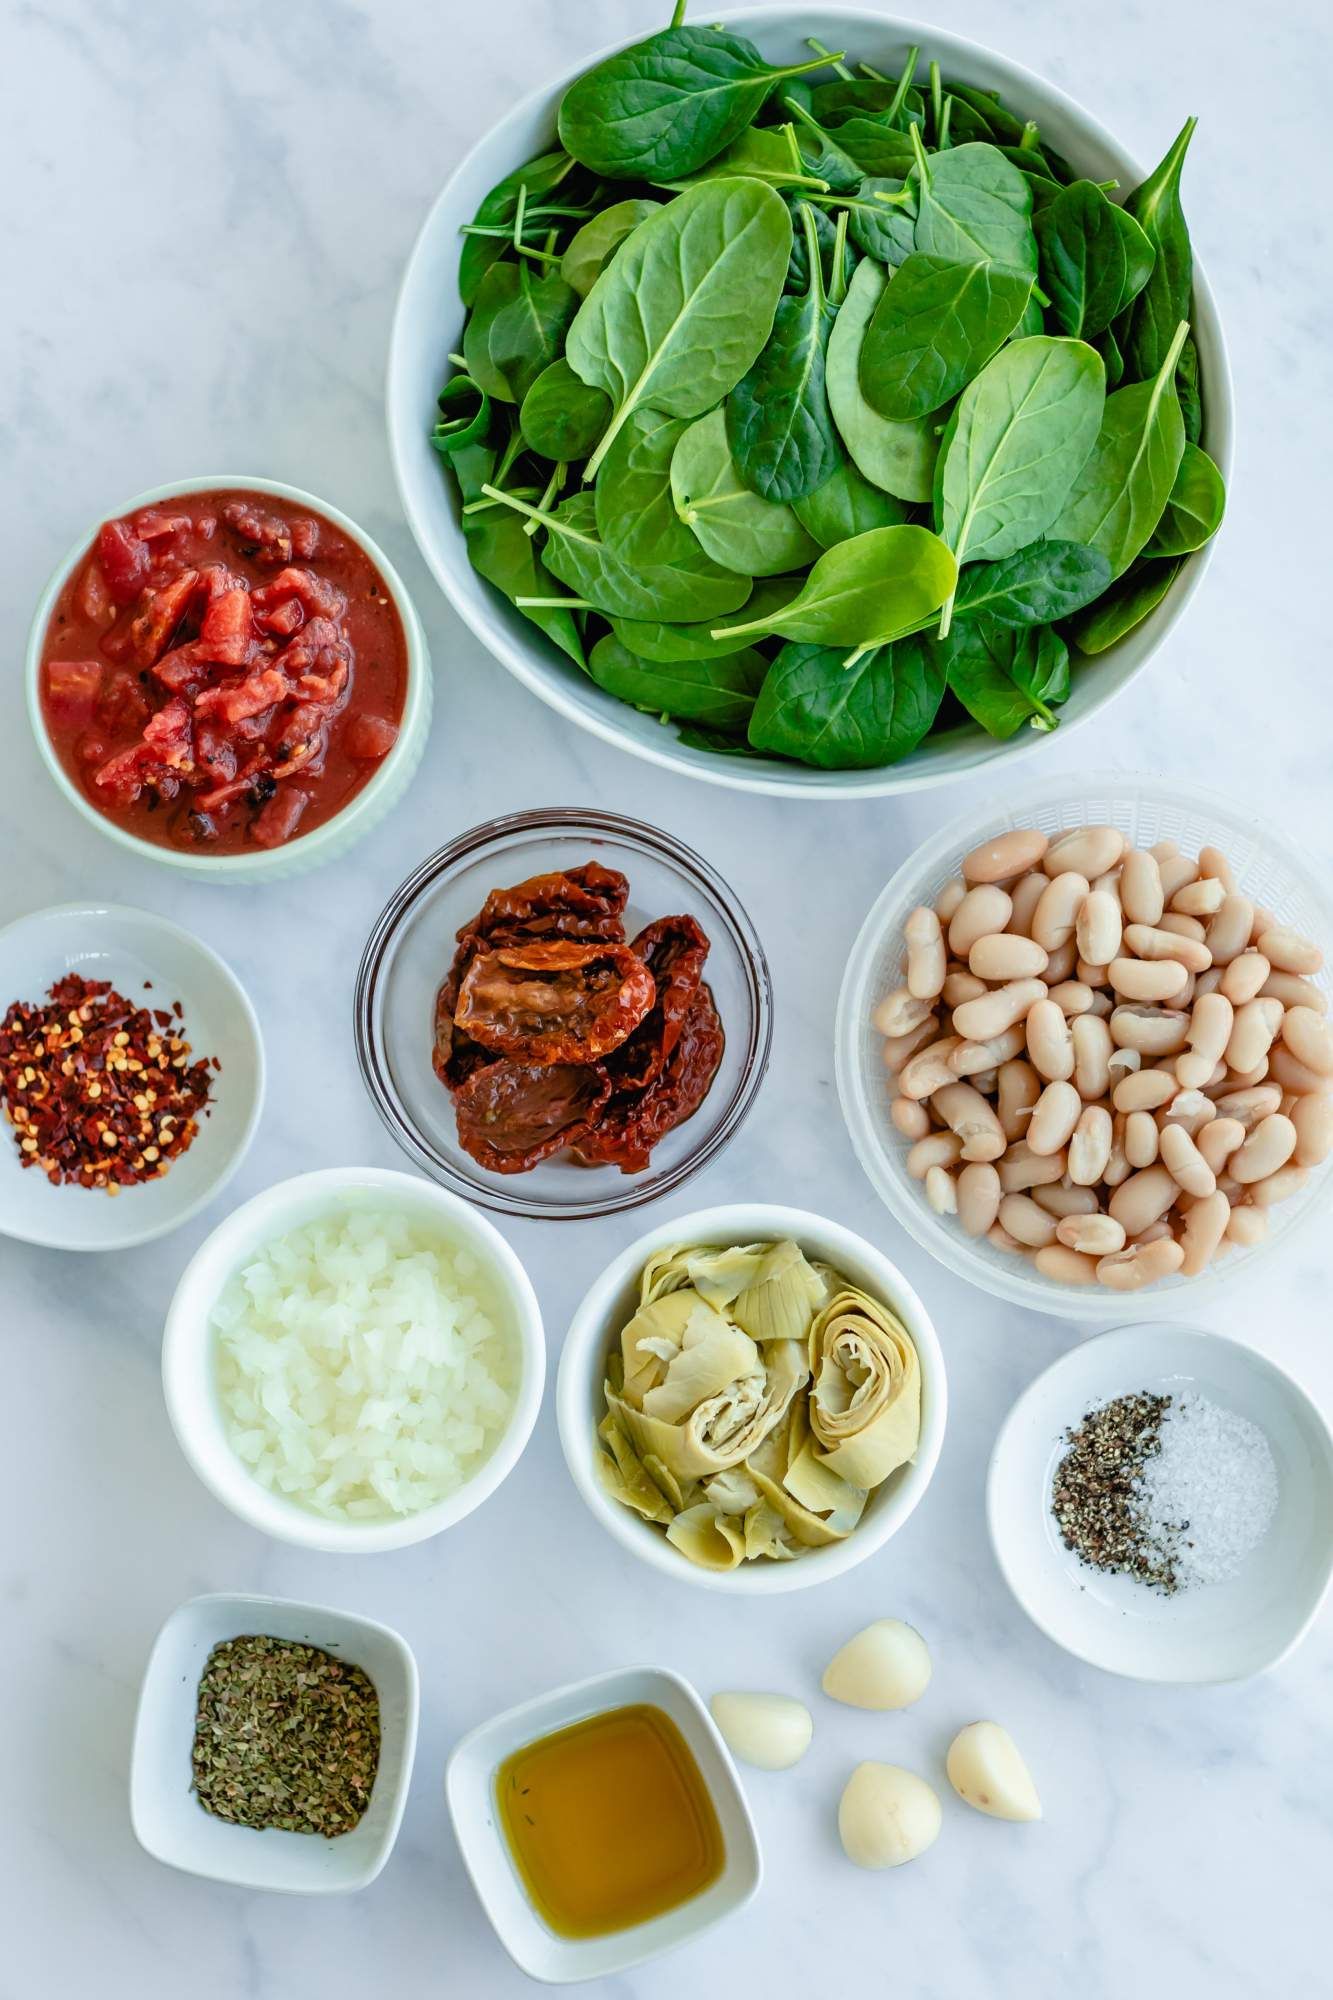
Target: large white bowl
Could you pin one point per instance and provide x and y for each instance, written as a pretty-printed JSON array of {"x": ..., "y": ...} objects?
[
  {"x": 362, "y": 813},
  {"x": 189, "y": 1376},
  {"x": 428, "y": 322},
  {"x": 1267, "y": 869},
  {"x": 609, "y": 1303}
]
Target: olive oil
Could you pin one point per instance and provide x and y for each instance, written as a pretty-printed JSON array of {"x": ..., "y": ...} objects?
[{"x": 609, "y": 1822}]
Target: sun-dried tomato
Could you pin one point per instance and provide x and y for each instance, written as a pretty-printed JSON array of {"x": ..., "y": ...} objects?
[
  {"x": 512, "y": 1115},
  {"x": 674, "y": 950},
  {"x": 557, "y": 1001},
  {"x": 628, "y": 1130},
  {"x": 584, "y": 902}
]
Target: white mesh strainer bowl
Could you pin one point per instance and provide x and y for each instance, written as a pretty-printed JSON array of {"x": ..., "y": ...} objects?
[{"x": 1267, "y": 869}]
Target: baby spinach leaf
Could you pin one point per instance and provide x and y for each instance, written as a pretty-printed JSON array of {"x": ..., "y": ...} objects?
[
  {"x": 1015, "y": 444},
  {"x": 900, "y": 457},
  {"x": 465, "y": 415},
  {"x": 1034, "y": 586},
  {"x": 1125, "y": 605},
  {"x": 1148, "y": 328},
  {"x": 500, "y": 551},
  {"x": 1000, "y": 125},
  {"x": 778, "y": 421},
  {"x": 879, "y": 97},
  {"x": 936, "y": 324},
  {"x": 686, "y": 305},
  {"x": 815, "y": 707},
  {"x": 764, "y": 153},
  {"x": 881, "y": 229},
  {"x": 1187, "y": 388},
  {"x": 562, "y": 418},
  {"x": 692, "y": 587},
  {"x": 500, "y": 207},
  {"x": 735, "y": 525},
  {"x": 633, "y": 506},
  {"x": 1119, "y": 496},
  {"x": 846, "y": 505},
  {"x": 516, "y": 328},
  {"x": 720, "y": 692},
  {"x": 669, "y": 104},
  {"x": 973, "y": 207},
  {"x": 1194, "y": 511},
  {"x": 865, "y": 592},
  {"x": 593, "y": 246},
  {"x": 652, "y": 639},
  {"x": 1007, "y": 675},
  {"x": 874, "y": 146},
  {"x": 1094, "y": 258}
]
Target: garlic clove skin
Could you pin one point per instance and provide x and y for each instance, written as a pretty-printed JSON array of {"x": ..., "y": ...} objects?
[
  {"x": 986, "y": 1771},
  {"x": 886, "y": 1816},
  {"x": 770, "y": 1731},
  {"x": 886, "y": 1666}
]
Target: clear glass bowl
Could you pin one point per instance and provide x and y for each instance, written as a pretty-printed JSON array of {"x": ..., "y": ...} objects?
[
  {"x": 1266, "y": 868},
  {"x": 408, "y": 954}
]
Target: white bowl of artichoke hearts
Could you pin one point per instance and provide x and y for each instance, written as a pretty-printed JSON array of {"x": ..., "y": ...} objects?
[{"x": 751, "y": 1398}]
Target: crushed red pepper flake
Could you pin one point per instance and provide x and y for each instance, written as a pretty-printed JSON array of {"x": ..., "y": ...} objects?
[{"x": 97, "y": 1095}]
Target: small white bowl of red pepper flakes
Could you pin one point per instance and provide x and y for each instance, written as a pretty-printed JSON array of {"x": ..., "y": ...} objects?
[
  {"x": 229, "y": 677},
  {"x": 131, "y": 1076}
]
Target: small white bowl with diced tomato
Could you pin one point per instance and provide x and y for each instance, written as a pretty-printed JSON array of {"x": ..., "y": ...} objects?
[{"x": 227, "y": 676}]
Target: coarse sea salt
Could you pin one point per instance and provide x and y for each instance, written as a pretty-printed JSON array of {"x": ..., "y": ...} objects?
[
  {"x": 362, "y": 1368},
  {"x": 1206, "y": 1499}
]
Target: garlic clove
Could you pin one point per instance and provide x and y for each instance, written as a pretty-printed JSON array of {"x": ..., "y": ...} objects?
[
  {"x": 986, "y": 1770},
  {"x": 886, "y": 1816},
  {"x": 770, "y": 1731},
  {"x": 886, "y": 1666}
]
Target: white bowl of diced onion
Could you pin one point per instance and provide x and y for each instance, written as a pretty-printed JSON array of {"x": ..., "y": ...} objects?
[
  {"x": 353, "y": 1311},
  {"x": 1267, "y": 868}
]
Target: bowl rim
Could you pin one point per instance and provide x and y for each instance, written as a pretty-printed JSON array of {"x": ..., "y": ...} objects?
[
  {"x": 322, "y": 842},
  {"x": 737, "y": 774},
  {"x": 468, "y": 847},
  {"x": 1117, "y": 1336},
  {"x": 249, "y": 1020},
  {"x": 952, "y": 1248},
  {"x": 260, "y": 1602},
  {"x": 587, "y": 1335},
  {"x": 187, "y": 1336}
]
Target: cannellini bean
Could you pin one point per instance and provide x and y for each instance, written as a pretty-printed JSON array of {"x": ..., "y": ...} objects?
[
  {"x": 975, "y": 1058},
  {"x": 983, "y": 911},
  {"x": 1091, "y": 1235},
  {"x": 1099, "y": 927},
  {"x": 1153, "y": 1031},
  {"x": 950, "y": 896},
  {"x": 1059, "y": 1200},
  {"x": 979, "y": 1195},
  {"x": 1092, "y": 1055},
  {"x": 1218, "y": 1140},
  {"x": 1049, "y": 1041},
  {"x": 1155, "y": 1230},
  {"x": 1065, "y": 1266},
  {"x": 1175, "y": 869},
  {"x": 1123, "y": 1063},
  {"x": 1054, "y": 1118},
  {"x": 1025, "y": 895},
  {"x": 1060, "y": 965},
  {"x": 1249, "y": 1106},
  {"x": 1229, "y": 932},
  {"x": 1209, "y": 981},
  {"x": 1000, "y": 956},
  {"x": 1026, "y": 1221},
  {"x": 928, "y": 1070},
  {"x": 960, "y": 986},
  {"x": 1142, "y": 1264},
  {"x": 1189, "y": 1109},
  {"x": 966, "y": 1112},
  {"x": 1211, "y": 1024},
  {"x": 1072, "y": 997},
  {"x": 1247, "y": 1227},
  {"x": 1313, "y": 1119},
  {"x": 912, "y": 1120},
  {"x": 1118, "y": 1169},
  {"x": 1143, "y": 1198},
  {"x": 1000, "y": 1239},
  {"x": 1201, "y": 898},
  {"x": 1144, "y": 1090},
  {"x": 1244, "y": 1079},
  {"x": 937, "y": 1149},
  {"x": 1017, "y": 1090},
  {"x": 1279, "y": 1187},
  {"x": 1294, "y": 991},
  {"x": 1252, "y": 1031},
  {"x": 1147, "y": 980},
  {"x": 1145, "y": 942},
  {"x": 1269, "y": 1146},
  {"x": 1185, "y": 1163},
  {"x": 1141, "y": 887},
  {"x": 1294, "y": 1075},
  {"x": 1056, "y": 913},
  {"x": 984, "y": 1080},
  {"x": 986, "y": 1771},
  {"x": 1090, "y": 1146},
  {"x": 1288, "y": 951},
  {"x": 941, "y": 1194},
  {"x": 1102, "y": 1004},
  {"x": 1086, "y": 850},
  {"x": 1309, "y": 1038},
  {"x": 1176, "y": 925},
  {"x": 927, "y": 960},
  {"x": 1007, "y": 855},
  {"x": 1086, "y": 973},
  {"x": 1212, "y": 861},
  {"x": 899, "y": 1012},
  {"x": 978, "y": 1020},
  {"x": 898, "y": 1050},
  {"x": 1021, "y": 1169},
  {"x": 1205, "y": 1226},
  {"x": 1141, "y": 1139}
]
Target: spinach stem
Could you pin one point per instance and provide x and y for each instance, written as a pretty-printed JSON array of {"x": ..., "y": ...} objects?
[
  {"x": 872, "y": 74},
  {"x": 922, "y": 163},
  {"x": 815, "y": 62},
  {"x": 935, "y": 97},
  {"x": 678, "y": 13},
  {"x": 837, "y": 290},
  {"x": 459, "y": 360},
  {"x": 553, "y": 485},
  {"x": 899, "y": 98},
  {"x": 541, "y": 256},
  {"x": 553, "y": 604},
  {"x": 812, "y": 43},
  {"x": 946, "y": 615},
  {"x": 942, "y": 136},
  {"x": 520, "y": 210},
  {"x": 1028, "y": 137},
  {"x": 815, "y": 288}
]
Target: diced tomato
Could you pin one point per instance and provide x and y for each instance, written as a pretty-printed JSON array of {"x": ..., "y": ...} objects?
[
  {"x": 226, "y": 631},
  {"x": 305, "y": 537},
  {"x": 154, "y": 525},
  {"x": 167, "y": 735},
  {"x": 94, "y": 599},
  {"x": 72, "y": 688},
  {"x": 261, "y": 536},
  {"x": 320, "y": 598},
  {"x": 123, "y": 775},
  {"x": 283, "y": 619},
  {"x": 368, "y": 737},
  {"x": 124, "y": 559},
  {"x": 162, "y": 612},
  {"x": 277, "y": 820},
  {"x": 256, "y": 692},
  {"x": 182, "y": 665},
  {"x": 122, "y": 703}
]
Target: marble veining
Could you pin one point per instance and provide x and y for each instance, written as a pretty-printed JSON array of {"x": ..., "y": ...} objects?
[{"x": 207, "y": 212}]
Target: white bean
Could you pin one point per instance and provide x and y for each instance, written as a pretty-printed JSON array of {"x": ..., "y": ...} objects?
[
  {"x": 1210, "y": 1029},
  {"x": 1056, "y": 913},
  {"x": 941, "y": 1194},
  {"x": 1087, "y": 850},
  {"x": 938, "y": 1149},
  {"x": 1025, "y": 895},
  {"x": 1142, "y": 1139},
  {"x": 1002, "y": 1240},
  {"x": 1054, "y": 1118},
  {"x": 1205, "y": 1226},
  {"x": 1050, "y": 1042},
  {"x": 950, "y": 896},
  {"x": 1060, "y": 965},
  {"x": 912, "y": 1120},
  {"x": 1017, "y": 1090},
  {"x": 960, "y": 986},
  {"x": 978, "y": 1020},
  {"x": 1141, "y": 887},
  {"x": 1147, "y": 980},
  {"x": 1201, "y": 898},
  {"x": 1185, "y": 1163},
  {"x": 1072, "y": 997},
  {"x": 1252, "y": 1031},
  {"x": 979, "y": 1195},
  {"x": 1175, "y": 869},
  {"x": 1092, "y": 1055},
  {"x": 1294, "y": 1075},
  {"x": 1142, "y": 1264},
  {"x": 1092, "y": 1235},
  {"x": 898, "y": 1050},
  {"x": 1027, "y": 1223},
  {"x": 1249, "y": 1106},
  {"x": 1145, "y": 1090},
  {"x": 1229, "y": 932},
  {"x": 1278, "y": 1187},
  {"x": 1176, "y": 925},
  {"x": 1313, "y": 1119},
  {"x": 1218, "y": 1140},
  {"x": 1145, "y": 942},
  {"x": 928, "y": 1070},
  {"x": 1243, "y": 979},
  {"x": 966, "y": 1112},
  {"x": 1007, "y": 855},
  {"x": 1189, "y": 1109},
  {"x": 1269, "y": 1147},
  {"x": 1090, "y": 1147},
  {"x": 927, "y": 960},
  {"x": 1153, "y": 1031},
  {"x": 1099, "y": 927},
  {"x": 975, "y": 1058},
  {"x": 899, "y": 1012},
  {"x": 1247, "y": 1227},
  {"x": 1065, "y": 1266},
  {"x": 1142, "y": 1199},
  {"x": 1059, "y": 1200},
  {"x": 1000, "y": 956},
  {"x": 983, "y": 911},
  {"x": 1309, "y": 1038},
  {"x": 1293, "y": 991},
  {"x": 1289, "y": 951},
  {"x": 1021, "y": 1169}
]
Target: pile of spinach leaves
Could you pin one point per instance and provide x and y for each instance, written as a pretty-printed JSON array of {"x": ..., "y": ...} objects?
[{"x": 812, "y": 408}]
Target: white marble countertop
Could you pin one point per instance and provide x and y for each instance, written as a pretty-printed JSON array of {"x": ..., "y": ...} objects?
[{"x": 208, "y": 209}]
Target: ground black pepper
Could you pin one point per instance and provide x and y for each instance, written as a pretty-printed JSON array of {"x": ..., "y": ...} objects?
[{"x": 1094, "y": 1492}]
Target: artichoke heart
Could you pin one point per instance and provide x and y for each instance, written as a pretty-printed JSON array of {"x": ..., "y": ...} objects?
[
  {"x": 713, "y": 1540},
  {"x": 865, "y": 1406},
  {"x": 625, "y": 1477},
  {"x": 678, "y": 1351}
]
